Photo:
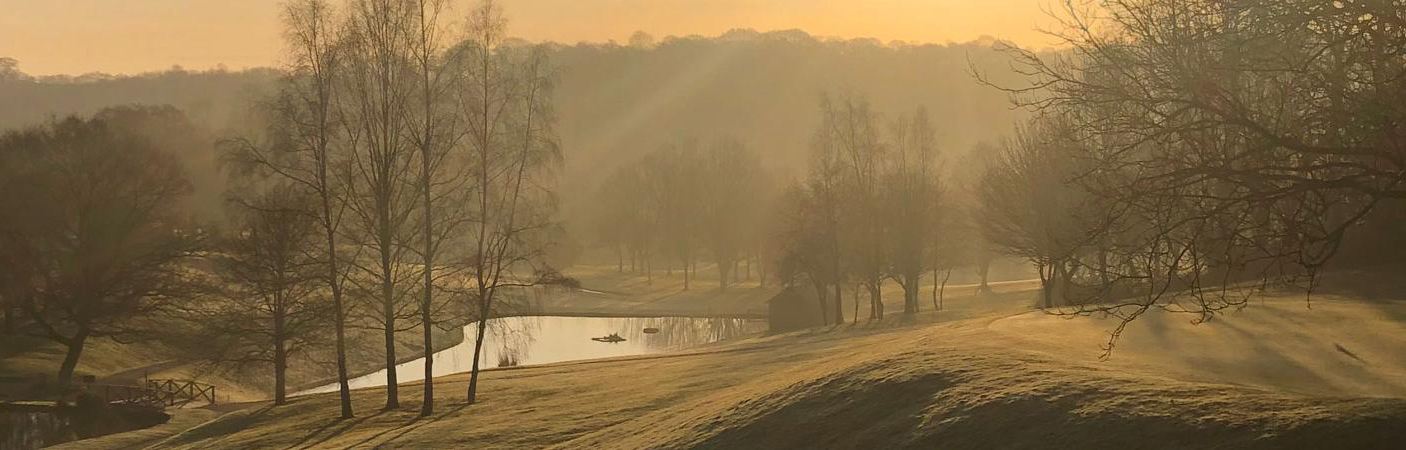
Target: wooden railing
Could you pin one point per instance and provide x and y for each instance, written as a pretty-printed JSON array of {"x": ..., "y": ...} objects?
[
  {"x": 128, "y": 395},
  {"x": 156, "y": 393},
  {"x": 183, "y": 391}
]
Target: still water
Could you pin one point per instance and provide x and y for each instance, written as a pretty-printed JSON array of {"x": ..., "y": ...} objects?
[{"x": 512, "y": 341}]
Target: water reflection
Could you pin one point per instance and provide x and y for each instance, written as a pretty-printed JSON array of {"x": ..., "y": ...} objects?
[{"x": 513, "y": 341}]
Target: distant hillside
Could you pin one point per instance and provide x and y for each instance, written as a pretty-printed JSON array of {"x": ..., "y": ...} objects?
[{"x": 617, "y": 102}]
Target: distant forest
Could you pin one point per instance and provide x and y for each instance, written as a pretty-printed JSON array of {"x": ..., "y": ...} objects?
[{"x": 617, "y": 102}]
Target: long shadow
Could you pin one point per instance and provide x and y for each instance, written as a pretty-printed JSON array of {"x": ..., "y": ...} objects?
[
  {"x": 414, "y": 424},
  {"x": 221, "y": 427},
  {"x": 346, "y": 425}
]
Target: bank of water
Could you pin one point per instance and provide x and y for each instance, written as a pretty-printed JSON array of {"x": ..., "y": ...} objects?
[
  {"x": 513, "y": 341},
  {"x": 38, "y": 424}
]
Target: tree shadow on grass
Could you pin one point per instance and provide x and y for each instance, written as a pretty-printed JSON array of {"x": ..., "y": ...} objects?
[
  {"x": 345, "y": 425},
  {"x": 412, "y": 425},
  {"x": 221, "y": 426}
]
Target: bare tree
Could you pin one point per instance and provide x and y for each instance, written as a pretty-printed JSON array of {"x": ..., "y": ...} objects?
[
  {"x": 851, "y": 127},
  {"x": 268, "y": 309},
  {"x": 109, "y": 244},
  {"x": 1232, "y": 132},
  {"x": 378, "y": 83},
  {"x": 1030, "y": 206},
  {"x": 805, "y": 248},
  {"x": 305, "y": 113},
  {"x": 910, "y": 204},
  {"x": 433, "y": 124},
  {"x": 826, "y": 183},
  {"x": 972, "y": 246},
  {"x": 504, "y": 99},
  {"x": 729, "y": 193}
]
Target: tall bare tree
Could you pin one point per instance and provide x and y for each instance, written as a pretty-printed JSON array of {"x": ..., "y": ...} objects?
[
  {"x": 729, "y": 193},
  {"x": 911, "y": 198},
  {"x": 504, "y": 98},
  {"x": 433, "y": 126},
  {"x": 851, "y": 126},
  {"x": 306, "y": 113},
  {"x": 378, "y": 84}
]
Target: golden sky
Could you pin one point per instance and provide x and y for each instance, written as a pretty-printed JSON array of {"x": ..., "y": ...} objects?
[{"x": 129, "y": 36}]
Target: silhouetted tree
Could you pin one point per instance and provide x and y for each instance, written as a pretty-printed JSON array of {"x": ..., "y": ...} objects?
[
  {"x": 268, "y": 271},
  {"x": 503, "y": 99},
  {"x": 378, "y": 84},
  {"x": 910, "y": 204},
  {"x": 730, "y": 192},
  {"x": 851, "y": 127},
  {"x": 433, "y": 136},
  {"x": 106, "y": 240},
  {"x": 299, "y": 139}
]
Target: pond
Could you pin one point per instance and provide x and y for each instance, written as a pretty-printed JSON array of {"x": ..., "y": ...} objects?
[{"x": 513, "y": 341}]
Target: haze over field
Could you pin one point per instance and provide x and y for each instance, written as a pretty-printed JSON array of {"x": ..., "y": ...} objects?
[{"x": 703, "y": 224}]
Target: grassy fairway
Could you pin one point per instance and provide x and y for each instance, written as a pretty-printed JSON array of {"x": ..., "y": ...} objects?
[{"x": 1007, "y": 377}]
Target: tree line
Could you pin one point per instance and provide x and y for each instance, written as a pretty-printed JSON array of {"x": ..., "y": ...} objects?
[
  {"x": 874, "y": 206},
  {"x": 682, "y": 203},
  {"x": 399, "y": 178}
]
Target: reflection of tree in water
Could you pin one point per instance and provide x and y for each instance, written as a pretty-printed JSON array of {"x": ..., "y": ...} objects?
[
  {"x": 681, "y": 332},
  {"x": 514, "y": 336}
]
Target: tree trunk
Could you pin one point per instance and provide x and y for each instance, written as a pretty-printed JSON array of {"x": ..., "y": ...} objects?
[
  {"x": 280, "y": 366},
  {"x": 388, "y": 313},
  {"x": 855, "y": 297},
  {"x": 935, "y": 304},
  {"x": 427, "y": 405},
  {"x": 839, "y": 304},
  {"x": 339, "y": 317},
  {"x": 1046, "y": 279},
  {"x": 70, "y": 359},
  {"x": 942, "y": 288},
  {"x": 877, "y": 301},
  {"x": 820, "y": 293},
  {"x": 280, "y": 350},
  {"x": 910, "y": 292},
  {"x": 983, "y": 268},
  {"x": 478, "y": 351},
  {"x": 722, "y": 274}
]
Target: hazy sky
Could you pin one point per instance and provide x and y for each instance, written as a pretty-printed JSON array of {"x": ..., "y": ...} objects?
[{"x": 127, "y": 36}]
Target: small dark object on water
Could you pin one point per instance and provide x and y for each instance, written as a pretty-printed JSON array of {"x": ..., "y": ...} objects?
[
  {"x": 611, "y": 338},
  {"x": 651, "y": 330}
]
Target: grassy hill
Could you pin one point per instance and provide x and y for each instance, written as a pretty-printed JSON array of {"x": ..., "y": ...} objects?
[{"x": 987, "y": 373}]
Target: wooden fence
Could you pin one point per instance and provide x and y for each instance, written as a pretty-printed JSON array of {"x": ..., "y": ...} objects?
[
  {"x": 183, "y": 391},
  {"x": 156, "y": 393}
]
